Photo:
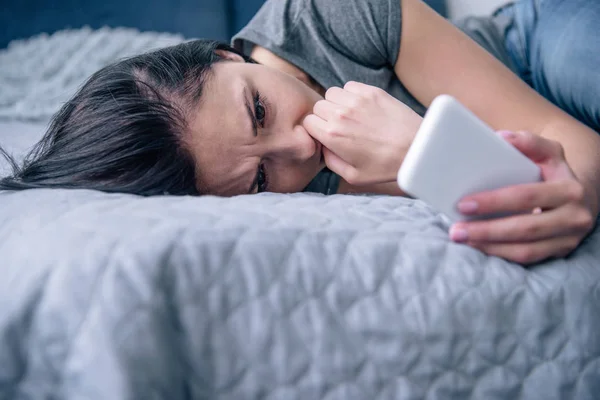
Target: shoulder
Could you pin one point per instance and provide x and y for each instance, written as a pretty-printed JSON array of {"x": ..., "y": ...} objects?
[
  {"x": 332, "y": 41},
  {"x": 344, "y": 18},
  {"x": 353, "y": 16},
  {"x": 365, "y": 30},
  {"x": 342, "y": 8}
]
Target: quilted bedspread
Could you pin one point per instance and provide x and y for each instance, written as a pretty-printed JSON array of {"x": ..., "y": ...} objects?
[{"x": 280, "y": 297}]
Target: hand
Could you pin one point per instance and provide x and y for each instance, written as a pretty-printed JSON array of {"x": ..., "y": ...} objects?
[
  {"x": 557, "y": 212},
  {"x": 365, "y": 132}
]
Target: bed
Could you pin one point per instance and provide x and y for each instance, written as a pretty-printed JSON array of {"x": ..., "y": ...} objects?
[{"x": 301, "y": 296}]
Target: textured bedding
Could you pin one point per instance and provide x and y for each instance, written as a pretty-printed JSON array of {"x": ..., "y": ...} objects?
[
  {"x": 39, "y": 74},
  {"x": 280, "y": 297}
]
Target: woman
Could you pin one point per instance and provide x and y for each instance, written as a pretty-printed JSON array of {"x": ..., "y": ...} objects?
[{"x": 202, "y": 117}]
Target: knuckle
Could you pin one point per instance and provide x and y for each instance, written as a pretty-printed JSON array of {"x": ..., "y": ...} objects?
[
  {"x": 343, "y": 113},
  {"x": 330, "y": 92},
  {"x": 336, "y": 130},
  {"x": 318, "y": 105},
  {"x": 331, "y": 131},
  {"x": 309, "y": 124},
  {"x": 361, "y": 101},
  {"x": 372, "y": 93},
  {"x": 356, "y": 103}
]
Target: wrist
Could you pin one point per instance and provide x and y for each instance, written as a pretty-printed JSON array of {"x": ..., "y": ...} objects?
[{"x": 387, "y": 188}]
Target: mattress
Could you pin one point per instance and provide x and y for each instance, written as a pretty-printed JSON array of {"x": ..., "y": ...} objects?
[{"x": 270, "y": 296}]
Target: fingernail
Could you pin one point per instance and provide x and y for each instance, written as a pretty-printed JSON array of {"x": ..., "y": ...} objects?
[
  {"x": 506, "y": 134},
  {"x": 467, "y": 207},
  {"x": 458, "y": 234}
]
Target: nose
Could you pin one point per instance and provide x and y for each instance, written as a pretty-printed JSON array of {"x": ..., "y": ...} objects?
[{"x": 294, "y": 145}]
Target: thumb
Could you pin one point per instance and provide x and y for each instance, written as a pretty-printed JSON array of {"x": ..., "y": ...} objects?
[
  {"x": 548, "y": 154},
  {"x": 535, "y": 147},
  {"x": 338, "y": 165}
]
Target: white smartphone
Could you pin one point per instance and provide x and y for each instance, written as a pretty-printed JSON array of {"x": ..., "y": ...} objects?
[{"x": 455, "y": 154}]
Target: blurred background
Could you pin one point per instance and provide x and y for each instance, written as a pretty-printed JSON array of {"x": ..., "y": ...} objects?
[{"x": 215, "y": 19}]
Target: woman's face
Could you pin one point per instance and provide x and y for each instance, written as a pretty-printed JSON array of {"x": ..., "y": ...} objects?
[{"x": 247, "y": 134}]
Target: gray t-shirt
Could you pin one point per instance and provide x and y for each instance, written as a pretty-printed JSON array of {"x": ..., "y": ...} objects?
[{"x": 333, "y": 41}]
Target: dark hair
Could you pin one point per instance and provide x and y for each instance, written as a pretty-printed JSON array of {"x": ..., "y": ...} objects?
[{"x": 123, "y": 130}]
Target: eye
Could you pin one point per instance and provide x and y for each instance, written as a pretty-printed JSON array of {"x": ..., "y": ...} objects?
[
  {"x": 262, "y": 181},
  {"x": 260, "y": 111}
]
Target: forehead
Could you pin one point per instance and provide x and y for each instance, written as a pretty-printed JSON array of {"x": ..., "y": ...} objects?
[{"x": 219, "y": 133}]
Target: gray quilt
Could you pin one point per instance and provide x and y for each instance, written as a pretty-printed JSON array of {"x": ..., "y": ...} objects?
[
  {"x": 273, "y": 296},
  {"x": 280, "y": 297}
]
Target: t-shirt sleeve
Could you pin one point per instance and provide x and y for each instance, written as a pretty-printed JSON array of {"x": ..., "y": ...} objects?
[{"x": 327, "y": 38}]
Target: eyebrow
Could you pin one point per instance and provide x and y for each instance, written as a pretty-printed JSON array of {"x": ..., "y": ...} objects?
[{"x": 250, "y": 111}]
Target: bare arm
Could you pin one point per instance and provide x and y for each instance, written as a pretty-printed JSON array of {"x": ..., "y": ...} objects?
[
  {"x": 436, "y": 57},
  {"x": 390, "y": 188}
]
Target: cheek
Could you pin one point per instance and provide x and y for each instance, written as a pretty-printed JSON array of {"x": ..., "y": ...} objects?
[
  {"x": 294, "y": 106},
  {"x": 293, "y": 179},
  {"x": 298, "y": 98}
]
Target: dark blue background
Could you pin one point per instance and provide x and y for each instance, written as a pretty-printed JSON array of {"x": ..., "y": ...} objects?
[{"x": 215, "y": 19}]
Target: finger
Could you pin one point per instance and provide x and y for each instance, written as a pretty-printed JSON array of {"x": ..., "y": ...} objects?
[
  {"x": 338, "y": 165},
  {"x": 535, "y": 147},
  {"x": 317, "y": 128},
  {"x": 359, "y": 88},
  {"x": 342, "y": 97},
  {"x": 520, "y": 228},
  {"x": 522, "y": 198},
  {"x": 327, "y": 110},
  {"x": 530, "y": 253}
]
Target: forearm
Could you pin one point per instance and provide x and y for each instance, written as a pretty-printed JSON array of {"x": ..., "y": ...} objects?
[
  {"x": 436, "y": 57},
  {"x": 582, "y": 151},
  {"x": 389, "y": 188}
]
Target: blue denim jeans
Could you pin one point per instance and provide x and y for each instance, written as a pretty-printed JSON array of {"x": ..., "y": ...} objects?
[{"x": 554, "y": 46}]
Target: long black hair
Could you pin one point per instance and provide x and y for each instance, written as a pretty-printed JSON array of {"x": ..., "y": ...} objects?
[{"x": 123, "y": 131}]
